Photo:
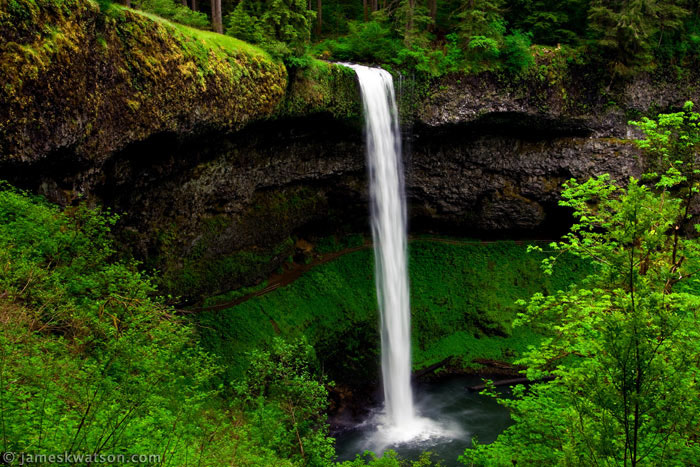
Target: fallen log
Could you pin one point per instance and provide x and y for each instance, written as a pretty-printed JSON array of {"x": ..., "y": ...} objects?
[
  {"x": 511, "y": 381},
  {"x": 487, "y": 362},
  {"x": 431, "y": 368}
]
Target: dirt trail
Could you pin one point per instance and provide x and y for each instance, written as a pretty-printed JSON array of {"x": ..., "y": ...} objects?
[
  {"x": 295, "y": 271},
  {"x": 288, "y": 275}
]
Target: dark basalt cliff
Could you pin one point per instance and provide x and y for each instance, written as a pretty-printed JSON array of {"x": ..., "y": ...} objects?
[{"x": 220, "y": 157}]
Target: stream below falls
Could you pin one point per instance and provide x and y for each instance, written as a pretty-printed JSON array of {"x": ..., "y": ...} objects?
[{"x": 457, "y": 416}]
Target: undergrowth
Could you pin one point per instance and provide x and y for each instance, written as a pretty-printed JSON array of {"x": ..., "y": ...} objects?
[{"x": 462, "y": 299}]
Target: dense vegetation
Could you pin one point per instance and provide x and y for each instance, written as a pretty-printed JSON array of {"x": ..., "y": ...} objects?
[
  {"x": 623, "y": 344},
  {"x": 91, "y": 362},
  {"x": 463, "y": 301},
  {"x": 436, "y": 37},
  {"x": 94, "y": 362}
]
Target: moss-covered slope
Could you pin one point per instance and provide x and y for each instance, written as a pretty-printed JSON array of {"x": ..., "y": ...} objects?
[
  {"x": 84, "y": 83},
  {"x": 463, "y": 297}
]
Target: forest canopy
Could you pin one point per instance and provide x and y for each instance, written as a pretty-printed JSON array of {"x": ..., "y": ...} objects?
[{"x": 440, "y": 36}]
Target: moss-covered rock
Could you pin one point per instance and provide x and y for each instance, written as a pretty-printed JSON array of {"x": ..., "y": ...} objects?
[
  {"x": 559, "y": 93},
  {"x": 463, "y": 295},
  {"x": 87, "y": 83},
  {"x": 80, "y": 84},
  {"x": 323, "y": 88}
]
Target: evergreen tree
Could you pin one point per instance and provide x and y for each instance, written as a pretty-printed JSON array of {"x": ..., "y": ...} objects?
[
  {"x": 283, "y": 27},
  {"x": 625, "y": 30},
  {"x": 481, "y": 27},
  {"x": 550, "y": 22}
]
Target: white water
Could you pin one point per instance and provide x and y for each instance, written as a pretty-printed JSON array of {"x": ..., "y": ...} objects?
[
  {"x": 399, "y": 422},
  {"x": 388, "y": 209}
]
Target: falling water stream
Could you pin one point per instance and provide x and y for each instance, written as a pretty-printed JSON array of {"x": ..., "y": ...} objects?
[
  {"x": 388, "y": 210},
  {"x": 401, "y": 422},
  {"x": 398, "y": 422}
]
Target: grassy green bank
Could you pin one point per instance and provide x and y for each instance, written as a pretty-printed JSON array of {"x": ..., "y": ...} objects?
[
  {"x": 463, "y": 297},
  {"x": 96, "y": 77}
]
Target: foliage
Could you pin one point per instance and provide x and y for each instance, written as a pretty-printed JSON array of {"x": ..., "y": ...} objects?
[
  {"x": 462, "y": 302},
  {"x": 89, "y": 362},
  {"x": 626, "y": 32},
  {"x": 410, "y": 21},
  {"x": 550, "y": 22},
  {"x": 623, "y": 345},
  {"x": 390, "y": 459},
  {"x": 481, "y": 42},
  {"x": 371, "y": 42},
  {"x": 516, "y": 52},
  {"x": 487, "y": 35},
  {"x": 92, "y": 363},
  {"x": 286, "y": 404},
  {"x": 282, "y": 27},
  {"x": 174, "y": 11},
  {"x": 481, "y": 21}
]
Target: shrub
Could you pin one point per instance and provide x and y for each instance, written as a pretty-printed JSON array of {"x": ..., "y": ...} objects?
[
  {"x": 175, "y": 11},
  {"x": 282, "y": 27}
]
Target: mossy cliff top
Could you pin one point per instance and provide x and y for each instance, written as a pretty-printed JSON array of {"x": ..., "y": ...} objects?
[
  {"x": 80, "y": 83},
  {"x": 561, "y": 93}
]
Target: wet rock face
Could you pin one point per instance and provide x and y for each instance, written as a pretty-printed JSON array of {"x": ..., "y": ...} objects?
[
  {"x": 501, "y": 184},
  {"x": 241, "y": 198},
  {"x": 555, "y": 98},
  {"x": 219, "y": 211},
  {"x": 264, "y": 183}
]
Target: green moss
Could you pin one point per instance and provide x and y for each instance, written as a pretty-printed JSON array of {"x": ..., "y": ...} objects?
[
  {"x": 218, "y": 43},
  {"x": 462, "y": 299},
  {"x": 322, "y": 87},
  {"x": 147, "y": 74},
  {"x": 68, "y": 63}
]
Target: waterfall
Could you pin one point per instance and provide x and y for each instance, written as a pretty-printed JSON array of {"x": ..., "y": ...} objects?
[{"x": 388, "y": 216}]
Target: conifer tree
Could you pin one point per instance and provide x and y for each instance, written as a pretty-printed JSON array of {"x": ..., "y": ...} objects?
[{"x": 625, "y": 30}]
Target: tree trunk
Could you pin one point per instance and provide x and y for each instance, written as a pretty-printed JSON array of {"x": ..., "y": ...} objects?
[
  {"x": 216, "y": 24},
  {"x": 184, "y": 2},
  {"x": 409, "y": 22},
  {"x": 194, "y": 5},
  {"x": 432, "y": 5},
  {"x": 364, "y": 9},
  {"x": 509, "y": 382},
  {"x": 319, "y": 17},
  {"x": 426, "y": 371}
]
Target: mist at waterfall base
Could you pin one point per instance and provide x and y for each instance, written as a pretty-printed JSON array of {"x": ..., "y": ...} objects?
[
  {"x": 399, "y": 422},
  {"x": 457, "y": 416}
]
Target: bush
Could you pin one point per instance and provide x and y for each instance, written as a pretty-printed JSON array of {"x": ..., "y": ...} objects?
[
  {"x": 370, "y": 42},
  {"x": 516, "y": 53},
  {"x": 92, "y": 363},
  {"x": 282, "y": 27},
  {"x": 622, "y": 345},
  {"x": 175, "y": 11}
]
